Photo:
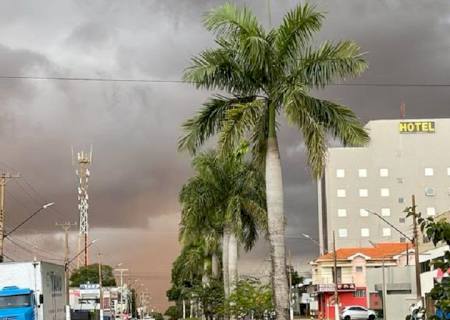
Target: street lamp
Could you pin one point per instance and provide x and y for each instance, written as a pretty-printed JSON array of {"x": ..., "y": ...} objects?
[
  {"x": 413, "y": 240},
  {"x": 384, "y": 283},
  {"x": 45, "y": 206},
  {"x": 4, "y": 235}
]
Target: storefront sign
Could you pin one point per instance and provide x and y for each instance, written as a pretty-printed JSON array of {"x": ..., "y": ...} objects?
[
  {"x": 416, "y": 127},
  {"x": 342, "y": 287}
]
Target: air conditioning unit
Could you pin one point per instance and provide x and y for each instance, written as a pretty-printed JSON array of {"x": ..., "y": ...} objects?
[{"x": 430, "y": 192}]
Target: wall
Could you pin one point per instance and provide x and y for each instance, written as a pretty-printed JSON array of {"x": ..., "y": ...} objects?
[
  {"x": 359, "y": 278},
  {"x": 397, "y": 278}
]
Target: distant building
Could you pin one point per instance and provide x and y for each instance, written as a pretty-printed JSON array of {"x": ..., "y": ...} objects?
[
  {"x": 358, "y": 283},
  {"x": 404, "y": 157}
]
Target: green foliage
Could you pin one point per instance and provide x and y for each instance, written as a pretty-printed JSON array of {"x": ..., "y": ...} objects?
[
  {"x": 173, "y": 313},
  {"x": 211, "y": 297},
  {"x": 89, "y": 274},
  {"x": 157, "y": 315},
  {"x": 250, "y": 298},
  {"x": 228, "y": 191},
  {"x": 267, "y": 72},
  {"x": 296, "y": 279},
  {"x": 438, "y": 231}
]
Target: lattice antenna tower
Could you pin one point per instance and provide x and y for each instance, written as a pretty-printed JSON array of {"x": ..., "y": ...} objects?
[{"x": 82, "y": 162}]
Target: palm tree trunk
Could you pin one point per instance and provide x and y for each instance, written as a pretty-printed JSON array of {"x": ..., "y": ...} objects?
[
  {"x": 232, "y": 262},
  {"x": 214, "y": 266},
  {"x": 205, "y": 277},
  {"x": 275, "y": 215},
  {"x": 225, "y": 251}
]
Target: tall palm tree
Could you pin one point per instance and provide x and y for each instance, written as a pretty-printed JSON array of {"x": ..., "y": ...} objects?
[
  {"x": 226, "y": 197},
  {"x": 265, "y": 73}
]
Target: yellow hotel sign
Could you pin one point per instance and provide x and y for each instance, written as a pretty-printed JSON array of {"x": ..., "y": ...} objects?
[{"x": 416, "y": 127}]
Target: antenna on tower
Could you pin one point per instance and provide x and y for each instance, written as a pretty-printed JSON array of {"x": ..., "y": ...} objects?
[
  {"x": 82, "y": 162},
  {"x": 402, "y": 109}
]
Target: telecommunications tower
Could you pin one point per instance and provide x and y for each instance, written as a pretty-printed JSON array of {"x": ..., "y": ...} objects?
[{"x": 82, "y": 163}]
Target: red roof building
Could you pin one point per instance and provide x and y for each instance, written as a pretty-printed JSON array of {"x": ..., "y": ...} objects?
[{"x": 352, "y": 265}]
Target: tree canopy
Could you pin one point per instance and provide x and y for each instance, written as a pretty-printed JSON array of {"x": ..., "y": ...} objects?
[{"x": 89, "y": 274}]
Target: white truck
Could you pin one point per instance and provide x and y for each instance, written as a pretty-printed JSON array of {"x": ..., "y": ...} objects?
[{"x": 32, "y": 291}]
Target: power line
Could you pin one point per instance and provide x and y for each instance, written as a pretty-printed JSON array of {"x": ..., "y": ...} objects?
[{"x": 172, "y": 81}]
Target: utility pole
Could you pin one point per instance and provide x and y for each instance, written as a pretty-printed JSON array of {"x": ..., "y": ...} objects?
[
  {"x": 100, "y": 283},
  {"x": 3, "y": 180},
  {"x": 66, "y": 227},
  {"x": 121, "y": 271},
  {"x": 416, "y": 250},
  {"x": 336, "y": 297},
  {"x": 291, "y": 309}
]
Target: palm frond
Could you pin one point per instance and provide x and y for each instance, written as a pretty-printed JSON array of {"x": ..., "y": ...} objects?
[
  {"x": 239, "y": 120},
  {"x": 315, "y": 118},
  {"x": 258, "y": 138},
  {"x": 209, "y": 120},
  {"x": 296, "y": 30},
  {"x": 240, "y": 28},
  {"x": 320, "y": 67},
  {"x": 313, "y": 132},
  {"x": 230, "y": 21},
  {"x": 340, "y": 121}
]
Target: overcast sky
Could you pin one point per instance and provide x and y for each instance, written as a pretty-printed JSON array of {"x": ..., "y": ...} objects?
[{"x": 134, "y": 127}]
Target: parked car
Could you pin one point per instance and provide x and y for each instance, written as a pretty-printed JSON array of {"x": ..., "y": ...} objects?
[{"x": 357, "y": 312}]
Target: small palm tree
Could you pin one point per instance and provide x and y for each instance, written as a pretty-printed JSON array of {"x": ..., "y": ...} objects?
[
  {"x": 225, "y": 198},
  {"x": 265, "y": 73}
]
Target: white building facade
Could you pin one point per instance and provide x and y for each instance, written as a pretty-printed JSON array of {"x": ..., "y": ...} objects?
[{"x": 403, "y": 158}]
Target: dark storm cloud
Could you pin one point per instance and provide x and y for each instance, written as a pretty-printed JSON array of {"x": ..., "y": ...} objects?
[{"x": 134, "y": 128}]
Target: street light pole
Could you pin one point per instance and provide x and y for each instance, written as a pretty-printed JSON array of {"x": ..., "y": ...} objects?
[
  {"x": 383, "y": 283},
  {"x": 414, "y": 240},
  {"x": 336, "y": 297},
  {"x": 45, "y": 206},
  {"x": 122, "y": 270},
  {"x": 100, "y": 283}
]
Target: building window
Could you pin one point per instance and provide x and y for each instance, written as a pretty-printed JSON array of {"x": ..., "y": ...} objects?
[
  {"x": 401, "y": 220},
  {"x": 359, "y": 293},
  {"x": 402, "y": 240},
  {"x": 401, "y": 200},
  {"x": 386, "y": 232},
  {"x": 384, "y": 172},
  {"x": 365, "y": 232},
  {"x": 363, "y": 212},
  {"x": 341, "y": 193},
  {"x": 363, "y": 193},
  {"x": 342, "y": 233},
  {"x": 431, "y": 211},
  {"x": 384, "y": 192},
  {"x": 429, "y": 172},
  {"x": 429, "y": 192},
  {"x": 448, "y": 171},
  {"x": 359, "y": 269},
  {"x": 386, "y": 212},
  {"x": 342, "y": 212},
  {"x": 425, "y": 266},
  {"x": 340, "y": 173},
  {"x": 362, "y": 173}
]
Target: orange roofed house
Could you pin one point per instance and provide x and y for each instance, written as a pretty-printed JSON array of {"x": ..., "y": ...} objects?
[{"x": 353, "y": 269}]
